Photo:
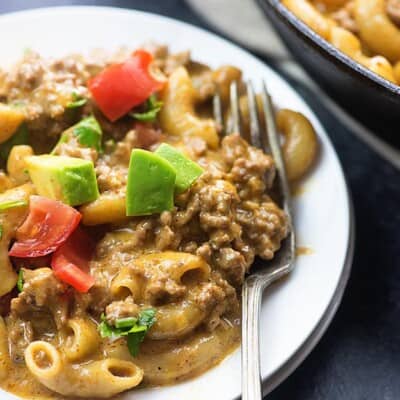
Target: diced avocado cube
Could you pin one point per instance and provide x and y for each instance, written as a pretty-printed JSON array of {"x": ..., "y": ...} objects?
[
  {"x": 187, "y": 171},
  {"x": 151, "y": 183},
  {"x": 70, "y": 180}
]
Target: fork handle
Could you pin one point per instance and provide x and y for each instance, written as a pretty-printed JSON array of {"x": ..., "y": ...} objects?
[{"x": 251, "y": 304}]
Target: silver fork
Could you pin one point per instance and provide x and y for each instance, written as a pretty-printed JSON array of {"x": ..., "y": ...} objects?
[{"x": 282, "y": 263}]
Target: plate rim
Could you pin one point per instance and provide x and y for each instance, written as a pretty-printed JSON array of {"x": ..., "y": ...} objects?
[{"x": 277, "y": 377}]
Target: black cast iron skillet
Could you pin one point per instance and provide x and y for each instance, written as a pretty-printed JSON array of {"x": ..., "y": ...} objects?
[{"x": 374, "y": 101}]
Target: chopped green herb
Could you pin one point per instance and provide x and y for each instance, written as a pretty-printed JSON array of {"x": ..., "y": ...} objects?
[
  {"x": 138, "y": 332},
  {"x": 89, "y": 133},
  {"x": 6, "y": 205},
  {"x": 108, "y": 331},
  {"x": 152, "y": 107},
  {"x": 134, "y": 328},
  {"x": 125, "y": 322},
  {"x": 77, "y": 101},
  {"x": 1, "y": 232},
  {"x": 147, "y": 317},
  {"x": 134, "y": 340},
  {"x": 21, "y": 136},
  {"x": 20, "y": 281}
]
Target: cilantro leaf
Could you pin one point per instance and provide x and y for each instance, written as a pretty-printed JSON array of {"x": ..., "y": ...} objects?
[
  {"x": 138, "y": 332},
  {"x": 20, "y": 281},
  {"x": 134, "y": 328},
  {"x": 1, "y": 232},
  {"x": 147, "y": 317},
  {"x": 6, "y": 205},
  {"x": 77, "y": 101},
  {"x": 104, "y": 328},
  {"x": 152, "y": 107},
  {"x": 134, "y": 341},
  {"x": 125, "y": 322},
  {"x": 21, "y": 136},
  {"x": 89, "y": 133},
  {"x": 108, "y": 331}
]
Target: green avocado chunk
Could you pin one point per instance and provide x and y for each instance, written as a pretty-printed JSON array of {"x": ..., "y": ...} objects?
[
  {"x": 187, "y": 171},
  {"x": 68, "y": 179},
  {"x": 151, "y": 183}
]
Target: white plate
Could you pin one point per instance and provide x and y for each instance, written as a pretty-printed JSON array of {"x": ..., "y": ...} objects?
[{"x": 295, "y": 312}]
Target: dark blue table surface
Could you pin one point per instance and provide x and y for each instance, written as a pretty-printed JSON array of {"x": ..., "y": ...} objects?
[{"x": 359, "y": 356}]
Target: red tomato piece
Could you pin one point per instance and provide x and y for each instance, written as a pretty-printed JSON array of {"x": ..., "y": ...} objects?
[
  {"x": 70, "y": 262},
  {"x": 69, "y": 273},
  {"x": 48, "y": 225},
  {"x": 123, "y": 86},
  {"x": 78, "y": 249}
]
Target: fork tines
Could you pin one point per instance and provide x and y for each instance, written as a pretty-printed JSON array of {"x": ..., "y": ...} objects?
[{"x": 264, "y": 136}]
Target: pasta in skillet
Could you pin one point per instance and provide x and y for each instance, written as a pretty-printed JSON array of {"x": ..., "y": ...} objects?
[
  {"x": 367, "y": 31},
  {"x": 127, "y": 221}
]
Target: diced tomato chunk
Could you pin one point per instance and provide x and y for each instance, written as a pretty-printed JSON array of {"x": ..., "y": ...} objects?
[
  {"x": 70, "y": 262},
  {"x": 120, "y": 87},
  {"x": 71, "y": 274},
  {"x": 48, "y": 225},
  {"x": 78, "y": 249}
]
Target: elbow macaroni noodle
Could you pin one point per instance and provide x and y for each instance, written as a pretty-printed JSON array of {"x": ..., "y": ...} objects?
[
  {"x": 103, "y": 378},
  {"x": 176, "y": 319},
  {"x": 349, "y": 44},
  {"x": 9, "y": 220},
  {"x": 375, "y": 43},
  {"x": 300, "y": 144},
  {"x": 80, "y": 340},
  {"x": 10, "y": 119},
  {"x": 377, "y": 31},
  {"x": 108, "y": 208},
  {"x": 178, "y": 116},
  {"x": 16, "y": 166},
  {"x": 304, "y": 10}
]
